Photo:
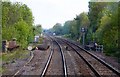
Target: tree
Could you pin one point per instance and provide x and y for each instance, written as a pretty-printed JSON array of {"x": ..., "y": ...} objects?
[
  {"x": 23, "y": 30},
  {"x": 66, "y": 27},
  {"x": 57, "y": 29},
  {"x": 17, "y": 22},
  {"x": 73, "y": 30},
  {"x": 83, "y": 23},
  {"x": 106, "y": 29},
  {"x": 95, "y": 14},
  {"x": 37, "y": 29}
]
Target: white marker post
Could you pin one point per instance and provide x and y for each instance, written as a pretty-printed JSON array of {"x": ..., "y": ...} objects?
[{"x": 30, "y": 48}]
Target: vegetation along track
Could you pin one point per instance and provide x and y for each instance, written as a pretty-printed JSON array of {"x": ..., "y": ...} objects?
[
  {"x": 98, "y": 66},
  {"x": 56, "y": 62}
]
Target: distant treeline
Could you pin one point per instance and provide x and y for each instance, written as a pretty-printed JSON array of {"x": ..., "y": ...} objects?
[
  {"x": 101, "y": 24},
  {"x": 17, "y": 22}
]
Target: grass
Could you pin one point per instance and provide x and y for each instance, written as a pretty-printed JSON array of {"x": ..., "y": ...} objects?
[
  {"x": 114, "y": 54},
  {"x": 17, "y": 54},
  {"x": 10, "y": 56}
]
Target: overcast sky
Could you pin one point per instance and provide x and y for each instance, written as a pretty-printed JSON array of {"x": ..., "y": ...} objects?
[{"x": 49, "y": 12}]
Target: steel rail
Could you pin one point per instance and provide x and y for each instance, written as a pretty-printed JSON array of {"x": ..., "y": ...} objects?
[
  {"x": 63, "y": 60},
  {"x": 48, "y": 62},
  {"x": 90, "y": 66},
  {"x": 117, "y": 72}
]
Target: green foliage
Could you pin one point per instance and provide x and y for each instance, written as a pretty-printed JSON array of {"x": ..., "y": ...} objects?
[
  {"x": 95, "y": 13},
  {"x": 17, "y": 54},
  {"x": 57, "y": 29},
  {"x": 8, "y": 57},
  {"x": 17, "y": 22},
  {"x": 9, "y": 32},
  {"x": 23, "y": 31},
  {"x": 76, "y": 25},
  {"x": 105, "y": 24},
  {"x": 72, "y": 28},
  {"x": 83, "y": 23},
  {"x": 101, "y": 24},
  {"x": 66, "y": 27},
  {"x": 37, "y": 29},
  {"x": 119, "y": 26},
  {"x": 105, "y": 28}
]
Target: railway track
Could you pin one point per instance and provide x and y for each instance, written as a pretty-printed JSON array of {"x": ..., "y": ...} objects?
[
  {"x": 18, "y": 71},
  {"x": 48, "y": 62},
  {"x": 62, "y": 62},
  {"x": 98, "y": 66},
  {"x": 75, "y": 65},
  {"x": 35, "y": 64},
  {"x": 55, "y": 64}
]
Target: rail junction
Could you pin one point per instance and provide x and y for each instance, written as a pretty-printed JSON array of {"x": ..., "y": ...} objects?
[{"x": 65, "y": 58}]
